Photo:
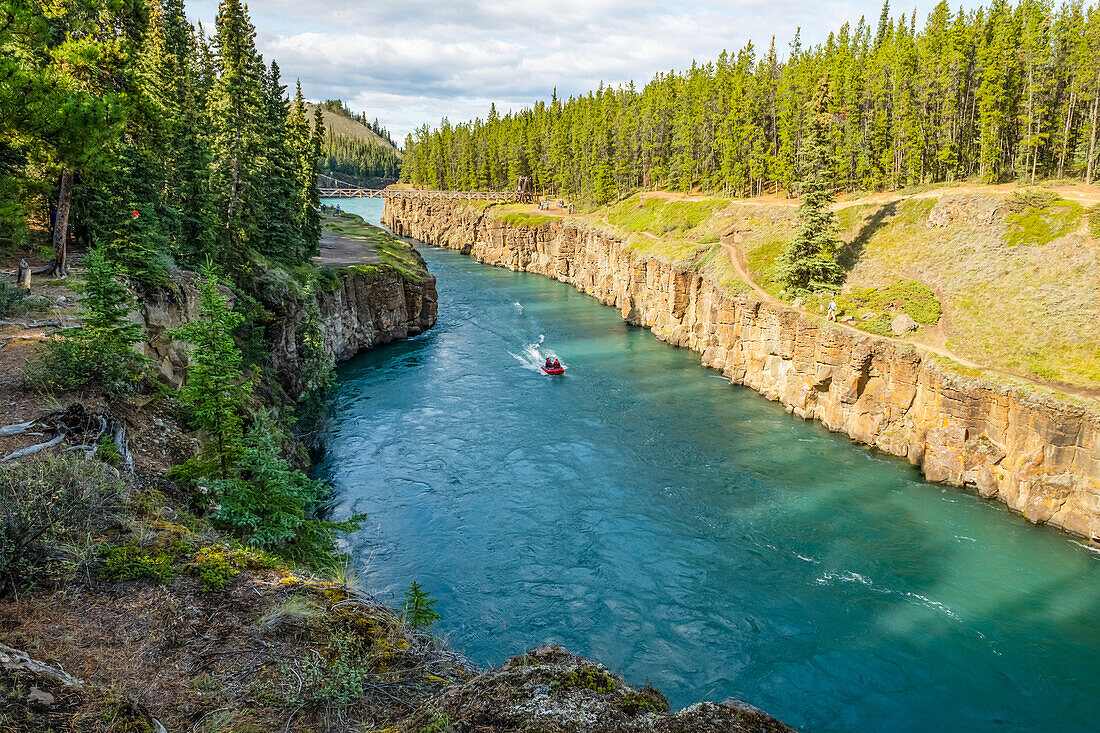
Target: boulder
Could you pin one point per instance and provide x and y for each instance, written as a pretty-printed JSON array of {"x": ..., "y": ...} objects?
[
  {"x": 903, "y": 324},
  {"x": 798, "y": 302},
  {"x": 868, "y": 316}
]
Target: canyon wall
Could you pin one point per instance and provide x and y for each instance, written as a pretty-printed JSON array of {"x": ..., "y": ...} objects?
[
  {"x": 358, "y": 311},
  {"x": 1037, "y": 453}
]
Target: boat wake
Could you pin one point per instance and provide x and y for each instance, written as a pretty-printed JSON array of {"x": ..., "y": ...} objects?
[{"x": 533, "y": 356}]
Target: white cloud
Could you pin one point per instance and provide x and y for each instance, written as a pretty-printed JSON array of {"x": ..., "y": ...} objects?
[{"x": 414, "y": 62}]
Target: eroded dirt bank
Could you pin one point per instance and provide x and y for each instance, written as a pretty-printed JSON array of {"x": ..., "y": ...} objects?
[{"x": 1037, "y": 453}]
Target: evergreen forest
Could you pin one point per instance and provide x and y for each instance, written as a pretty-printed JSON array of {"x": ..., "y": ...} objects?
[
  {"x": 362, "y": 153},
  {"x": 1002, "y": 92},
  {"x": 125, "y": 128}
]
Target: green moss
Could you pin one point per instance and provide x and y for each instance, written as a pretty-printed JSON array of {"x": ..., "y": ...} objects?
[
  {"x": 708, "y": 239},
  {"x": 131, "y": 561},
  {"x": 435, "y": 726},
  {"x": 649, "y": 700},
  {"x": 1040, "y": 225},
  {"x": 585, "y": 678}
]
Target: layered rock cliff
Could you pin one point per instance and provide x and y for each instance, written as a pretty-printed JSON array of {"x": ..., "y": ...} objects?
[
  {"x": 360, "y": 309},
  {"x": 1037, "y": 453}
]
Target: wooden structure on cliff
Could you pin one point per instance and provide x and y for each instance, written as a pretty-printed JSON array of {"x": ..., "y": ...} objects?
[{"x": 330, "y": 187}]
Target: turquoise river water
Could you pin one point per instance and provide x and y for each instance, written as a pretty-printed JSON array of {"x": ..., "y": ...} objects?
[{"x": 642, "y": 511}]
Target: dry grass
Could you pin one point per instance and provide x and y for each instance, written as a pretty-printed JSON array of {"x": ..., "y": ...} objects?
[{"x": 1031, "y": 309}]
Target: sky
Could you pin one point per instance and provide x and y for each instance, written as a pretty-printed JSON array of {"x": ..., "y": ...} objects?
[{"x": 410, "y": 62}]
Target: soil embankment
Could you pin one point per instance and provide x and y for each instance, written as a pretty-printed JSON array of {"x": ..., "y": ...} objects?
[{"x": 1038, "y": 453}]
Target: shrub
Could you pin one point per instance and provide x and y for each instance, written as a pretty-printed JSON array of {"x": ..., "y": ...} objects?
[
  {"x": 1094, "y": 221},
  {"x": 132, "y": 560},
  {"x": 49, "y": 509},
  {"x": 907, "y": 296},
  {"x": 1031, "y": 198},
  {"x": 15, "y": 301},
  {"x": 339, "y": 676},
  {"x": 268, "y": 503},
  {"x": 99, "y": 353}
]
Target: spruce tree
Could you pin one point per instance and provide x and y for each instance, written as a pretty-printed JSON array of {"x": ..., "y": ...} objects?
[
  {"x": 809, "y": 261},
  {"x": 216, "y": 390}
]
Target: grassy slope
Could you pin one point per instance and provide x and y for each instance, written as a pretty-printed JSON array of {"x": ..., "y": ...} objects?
[
  {"x": 1020, "y": 291},
  {"x": 340, "y": 125}
]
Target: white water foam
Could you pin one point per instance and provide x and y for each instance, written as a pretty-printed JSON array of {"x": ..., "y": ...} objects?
[
  {"x": 533, "y": 356},
  {"x": 851, "y": 577}
]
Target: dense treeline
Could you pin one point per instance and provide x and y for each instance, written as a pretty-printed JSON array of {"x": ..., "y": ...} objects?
[
  {"x": 168, "y": 147},
  {"x": 1001, "y": 92},
  {"x": 345, "y": 157}
]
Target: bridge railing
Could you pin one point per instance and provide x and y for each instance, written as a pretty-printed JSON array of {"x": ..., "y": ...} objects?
[{"x": 375, "y": 193}]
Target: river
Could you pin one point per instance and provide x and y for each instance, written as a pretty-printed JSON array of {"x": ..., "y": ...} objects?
[{"x": 642, "y": 511}]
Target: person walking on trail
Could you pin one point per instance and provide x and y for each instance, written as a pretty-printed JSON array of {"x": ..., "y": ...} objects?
[{"x": 832, "y": 309}]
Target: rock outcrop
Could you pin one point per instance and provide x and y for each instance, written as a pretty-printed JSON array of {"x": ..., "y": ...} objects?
[
  {"x": 365, "y": 308},
  {"x": 1039, "y": 454}
]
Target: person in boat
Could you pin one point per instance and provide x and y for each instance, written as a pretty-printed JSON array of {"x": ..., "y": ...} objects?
[
  {"x": 549, "y": 363},
  {"x": 557, "y": 364}
]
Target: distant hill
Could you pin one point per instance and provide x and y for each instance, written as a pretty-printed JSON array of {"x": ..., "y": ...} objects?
[
  {"x": 356, "y": 151},
  {"x": 345, "y": 126}
]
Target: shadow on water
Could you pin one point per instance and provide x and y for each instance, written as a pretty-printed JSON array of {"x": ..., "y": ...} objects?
[{"x": 644, "y": 512}]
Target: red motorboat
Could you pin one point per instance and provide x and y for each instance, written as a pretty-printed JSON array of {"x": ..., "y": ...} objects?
[{"x": 553, "y": 367}]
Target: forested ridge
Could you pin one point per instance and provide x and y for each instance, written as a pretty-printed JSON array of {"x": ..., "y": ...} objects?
[
  {"x": 997, "y": 93},
  {"x": 172, "y": 146},
  {"x": 356, "y": 149}
]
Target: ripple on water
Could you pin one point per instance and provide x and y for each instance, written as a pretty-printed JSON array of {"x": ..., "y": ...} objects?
[{"x": 693, "y": 534}]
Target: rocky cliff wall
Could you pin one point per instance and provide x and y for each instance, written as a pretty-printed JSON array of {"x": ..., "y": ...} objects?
[
  {"x": 1038, "y": 454},
  {"x": 363, "y": 310}
]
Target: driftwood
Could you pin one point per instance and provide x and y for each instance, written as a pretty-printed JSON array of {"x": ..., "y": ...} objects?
[
  {"x": 32, "y": 449},
  {"x": 123, "y": 445},
  {"x": 15, "y": 661},
  {"x": 86, "y": 429},
  {"x": 17, "y": 428}
]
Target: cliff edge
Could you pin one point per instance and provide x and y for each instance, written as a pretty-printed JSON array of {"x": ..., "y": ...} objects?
[{"x": 1038, "y": 453}]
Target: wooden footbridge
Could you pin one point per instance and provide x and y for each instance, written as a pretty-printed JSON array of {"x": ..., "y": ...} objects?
[{"x": 330, "y": 187}]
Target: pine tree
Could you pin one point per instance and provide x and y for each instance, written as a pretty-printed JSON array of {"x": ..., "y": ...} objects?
[
  {"x": 809, "y": 262},
  {"x": 216, "y": 390}
]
